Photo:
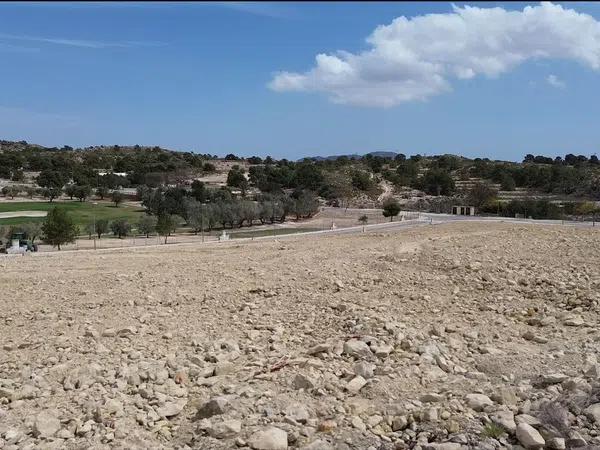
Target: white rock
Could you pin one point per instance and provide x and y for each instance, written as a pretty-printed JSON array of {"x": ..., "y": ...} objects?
[
  {"x": 226, "y": 429},
  {"x": 46, "y": 423},
  {"x": 442, "y": 446},
  {"x": 364, "y": 369},
  {"x": 302, "y": 381},
  {"x": 574, "y": 321},
  {"x": 556, "y": 443},
  {"x": 529, "y": 437},
  {"x": 399, "y": 423},
  {"x": 357, "y": 349},
  {"x": 319, "y": 348},
  {"x": 593, "y": 412},
  {"x": 431, "y": 397},
  {"x": 271, "y": 438},
  {"x": 319, "y": 444},
  {"x": 382, "y": 350},
  {"x": 506, "y": 419},
  {"x": 170, "y": 409},
  {"x": 478, "y": 401},
  {"x": 297, "y": 412},
  {"x": 356, "y": 384}
]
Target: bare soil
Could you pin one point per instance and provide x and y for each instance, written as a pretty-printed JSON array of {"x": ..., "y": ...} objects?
[{"x": 123, "y": 349}]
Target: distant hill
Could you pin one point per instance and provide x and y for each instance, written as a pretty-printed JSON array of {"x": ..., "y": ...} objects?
[{"x": 380, "y": 154}]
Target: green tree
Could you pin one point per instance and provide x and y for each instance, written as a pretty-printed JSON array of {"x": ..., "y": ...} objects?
[
  {"x": 70, "y": 190},
  {"x": 236, "y": 178},
  {"x": 59, "y": 228},
  {"x": 10, "y": 191},
  {"x": 196, "y": 215},
  {"x": 30, "y": 190},
  {"x": 117, "y": 198},
  {"x": 102, "y": 227},
  {"x": 391, "y": 208},
  {"x": 436, "y": 182},
  {"x": 199, "y": 191},
  {"x": 83, "y": 192},
  {"x": 364, "y": 219},
  {"x": 165, "y": 225},
  {"x": 52, "y": 180},
  {"x": 507, "y": 182},
  {"x": 147, "y": 225},
  {"x": 120, "y": 228},
  {"x": 102, "y": 191},
  {"x": 361, "y": 180},
  {"x": 51, "y": 193}
]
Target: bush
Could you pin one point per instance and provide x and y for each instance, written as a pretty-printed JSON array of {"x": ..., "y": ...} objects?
[{"x": 391, "y": 208}]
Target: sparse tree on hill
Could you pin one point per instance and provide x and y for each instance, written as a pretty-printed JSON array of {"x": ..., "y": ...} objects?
[
  {"x": 53, "y": 181},
  {"x": 436, "y": 182},
  {"x": 480, "y": 194},
  {"x": 391, "y": 208},
  {"x": 117, "y": 198},
  {"x": 59, "y": 228},
  {"x": 236, "y": 178}
]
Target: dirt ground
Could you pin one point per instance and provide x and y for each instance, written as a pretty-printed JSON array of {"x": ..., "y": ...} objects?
[{"x": 419, "y": 338}]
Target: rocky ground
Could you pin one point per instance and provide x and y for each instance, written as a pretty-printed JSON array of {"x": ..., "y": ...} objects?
[{"x": 462, "y": 336}]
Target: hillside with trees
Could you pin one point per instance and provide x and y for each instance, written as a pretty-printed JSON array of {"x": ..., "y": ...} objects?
[{"x": 175, "y": 183}]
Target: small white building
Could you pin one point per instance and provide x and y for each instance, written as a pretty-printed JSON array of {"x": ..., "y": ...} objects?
[{"x": 463, "y": 210}]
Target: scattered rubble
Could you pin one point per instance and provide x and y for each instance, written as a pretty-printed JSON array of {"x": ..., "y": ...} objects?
[{"x": 453, "y": 337}]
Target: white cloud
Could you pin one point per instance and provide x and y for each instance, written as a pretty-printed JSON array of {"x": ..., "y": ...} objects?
[
  {"x": 417, "y": 58},
  {"x": 554, "y": 81}
]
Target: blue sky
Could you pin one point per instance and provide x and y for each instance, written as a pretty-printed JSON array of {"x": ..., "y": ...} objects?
[{"x": 208, "y": 77}]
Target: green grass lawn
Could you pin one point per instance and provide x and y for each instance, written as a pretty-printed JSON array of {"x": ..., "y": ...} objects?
[{"x": 82, "y": 212}]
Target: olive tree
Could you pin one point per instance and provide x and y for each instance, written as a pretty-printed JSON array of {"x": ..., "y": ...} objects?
[
  {"x": 59, "y": 228},
  {"x": 120, "y": 228},
  {"x": 147, "y": 225}
]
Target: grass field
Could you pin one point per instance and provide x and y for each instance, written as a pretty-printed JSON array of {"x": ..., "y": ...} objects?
[{"x": 82, "y": 212}]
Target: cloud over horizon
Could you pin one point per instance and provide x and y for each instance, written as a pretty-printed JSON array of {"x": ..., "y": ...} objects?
[{"x": 415, "y": 59}]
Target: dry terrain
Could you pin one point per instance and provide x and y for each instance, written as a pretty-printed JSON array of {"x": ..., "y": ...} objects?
[{"x": 456, "y": 336}]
